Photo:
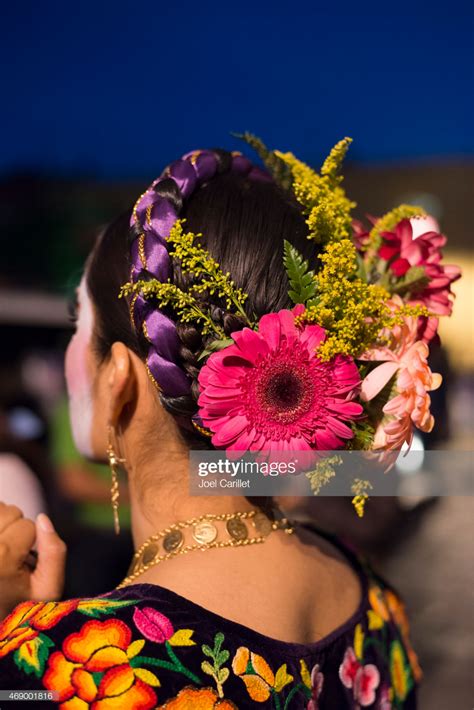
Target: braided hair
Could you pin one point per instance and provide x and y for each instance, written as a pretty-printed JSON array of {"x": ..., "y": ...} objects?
[{"x": 244, "y": 218}]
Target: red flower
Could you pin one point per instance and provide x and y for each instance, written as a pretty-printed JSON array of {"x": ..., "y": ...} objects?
[{"x": 409, "y": 245}]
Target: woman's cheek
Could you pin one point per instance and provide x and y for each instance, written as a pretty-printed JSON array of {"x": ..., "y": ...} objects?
[{"x": 80, "y": 393}]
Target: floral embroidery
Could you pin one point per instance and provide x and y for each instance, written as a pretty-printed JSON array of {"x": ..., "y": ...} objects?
[
  {"x": 105, "y": 666},
  {"x": 27, "y": 620},
  {"x": 397, "y": 609},
  {"x": 385, "y": 699},
  {"x": 87, "y": 670},
  {"x": 190, "y": 698},
  {"x": 363, "y": 679},
  {"x": 219, "y": 656},
  {"x": 399, "y": 671},
  {"x": 315, "y": 685}
]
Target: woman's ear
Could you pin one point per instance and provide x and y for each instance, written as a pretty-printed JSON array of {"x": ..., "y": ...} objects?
[{"x": 121, "y": 381}]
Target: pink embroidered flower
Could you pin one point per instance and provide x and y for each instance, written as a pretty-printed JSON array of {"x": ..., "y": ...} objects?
[
  {"x": 363, "y": 679},
  {"x": 384, "y": 702},
  {"x": 153, "y": 625},
  {"x": 317, "y": 681},
  {"x": 416, "y": 242},
  {"x": 405, "y": 356},
  {"x": 271, "y": 391}
]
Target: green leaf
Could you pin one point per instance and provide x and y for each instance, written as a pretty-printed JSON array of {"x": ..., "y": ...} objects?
[
  {"x": 32, "y": 655},
  {"x": 97, "y": 607},
  {"x": 280, "y": 171},
  {"x": 222, "y": 657},
  {"x": 97, "y": 676},
  {"x": 207, "y": 651},
  {"x": 302, "y": 283},
  {"x": 214, "y": 346}
]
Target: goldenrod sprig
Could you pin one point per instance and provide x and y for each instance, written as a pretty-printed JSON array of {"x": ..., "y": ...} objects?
[
  {"x": 196, "y": 261},
  {"x": 352, "y": 311},
  {"x": 322, "y": 198},
  {"x": 185, "y": 305}
]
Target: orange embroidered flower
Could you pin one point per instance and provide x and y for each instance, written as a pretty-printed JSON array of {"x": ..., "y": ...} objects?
[
  {"x": 398, "y": 611},
  {"x": 100, "y": 647},
  {"x": 28, "y": 619},
  {"x": 257, "y": 675},
  {"x": 378, "y": 602},
  {"x": 190, "y": 698}
]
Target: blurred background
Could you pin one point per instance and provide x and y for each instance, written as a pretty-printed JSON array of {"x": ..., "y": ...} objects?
[{"x": 98, "y": 97}]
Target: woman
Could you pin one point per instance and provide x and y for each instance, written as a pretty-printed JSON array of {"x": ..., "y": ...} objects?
[{"x": 295, "y": 621}]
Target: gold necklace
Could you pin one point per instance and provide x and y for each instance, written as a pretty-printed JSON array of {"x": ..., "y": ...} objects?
[{"x": 205, "y": 533}]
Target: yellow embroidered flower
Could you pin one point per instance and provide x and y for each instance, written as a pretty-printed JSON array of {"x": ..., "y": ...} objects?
[
  {"x": 359, "y": 642},
  {"x": 375, "y": 621},
  {"x": 378, "y": 602},
  {"x": 257, "y": 675},
  {"x": 399, "y": 671}
]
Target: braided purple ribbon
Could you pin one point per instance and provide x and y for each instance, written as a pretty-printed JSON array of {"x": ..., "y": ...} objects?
[{"x": 154, "y": 215}]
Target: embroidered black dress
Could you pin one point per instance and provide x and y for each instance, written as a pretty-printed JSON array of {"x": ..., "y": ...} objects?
[{"x": 145, "y": 646}]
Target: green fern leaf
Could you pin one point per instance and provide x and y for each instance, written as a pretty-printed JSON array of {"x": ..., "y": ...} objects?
[{"x": 302, "y": 284}]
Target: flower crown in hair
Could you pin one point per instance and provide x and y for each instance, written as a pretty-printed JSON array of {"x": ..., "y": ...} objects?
[{"x": 346, "y": 366}]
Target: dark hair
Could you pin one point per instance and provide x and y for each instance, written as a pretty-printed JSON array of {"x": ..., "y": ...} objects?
[{"x": 243, "y": 223}]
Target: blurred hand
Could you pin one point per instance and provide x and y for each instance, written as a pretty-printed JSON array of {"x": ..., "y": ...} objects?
[{"x": 18, "y": 582}]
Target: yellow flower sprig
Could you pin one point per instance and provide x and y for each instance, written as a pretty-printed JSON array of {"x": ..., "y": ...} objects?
[
  {"x": 359, "y": 490},
  {"x": 323, "y": 200},
  {"x": 185, "y": 305},
  {"x": 322, "y": 473},
  {"x": 197, "y": 262},
  {"x": 352, "y": 311}
]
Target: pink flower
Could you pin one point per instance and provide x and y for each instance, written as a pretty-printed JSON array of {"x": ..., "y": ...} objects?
[
  {"x": 411, "y": 245},
  {"x": 153, "y": 625},
  {"x": 363, "y": 680},
  {"x": 384, "y": 702},
  {"x": 271, "y": 391},
  {"x": 406, "y": 357},
  {"x": 317, "y": 681},
  {"x": 360, "y": 235}
]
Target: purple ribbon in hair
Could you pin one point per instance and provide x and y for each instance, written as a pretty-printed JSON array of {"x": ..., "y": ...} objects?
[{"x": 155, "y": 216}]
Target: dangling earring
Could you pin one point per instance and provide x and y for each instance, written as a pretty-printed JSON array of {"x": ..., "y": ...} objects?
[{"x": 114, "y": 462}]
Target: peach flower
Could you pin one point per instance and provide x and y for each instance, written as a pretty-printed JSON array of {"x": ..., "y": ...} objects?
[{"x": 406, "y": 357}]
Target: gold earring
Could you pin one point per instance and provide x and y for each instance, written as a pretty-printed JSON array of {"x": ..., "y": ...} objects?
[{"x": 114, "y": 462}]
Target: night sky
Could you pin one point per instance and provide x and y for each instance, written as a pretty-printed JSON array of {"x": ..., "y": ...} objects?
[{"x": 118, "y": 89}]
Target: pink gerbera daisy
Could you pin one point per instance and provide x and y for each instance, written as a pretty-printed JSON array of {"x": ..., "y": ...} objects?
[{"x": 270, "y": 391}]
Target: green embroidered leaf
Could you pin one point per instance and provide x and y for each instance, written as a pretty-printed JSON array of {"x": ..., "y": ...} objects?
[
  {"x": 218, "y": 641},
  {"x": 302, "y": 283},
  {"x": 222, "y": 657},
  {"x": 280, "y": 171},
  {"x": 207, "y": 650},
  {"x": 32, "y": 655},
  {"x": 98, "y": 607},
  {"x": 207, "y": 668},
  {"x": 214, "y": 346},
  {"x": 97, "y": 676}
]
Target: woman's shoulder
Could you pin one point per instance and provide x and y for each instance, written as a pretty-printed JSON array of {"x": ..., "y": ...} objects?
[{"x": 150, "y": 647}]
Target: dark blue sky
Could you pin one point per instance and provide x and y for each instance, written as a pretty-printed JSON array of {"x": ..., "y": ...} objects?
[{"x": 119, "y": 89}]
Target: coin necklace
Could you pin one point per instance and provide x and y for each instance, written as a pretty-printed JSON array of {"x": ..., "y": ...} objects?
[{"x": 170, "y": 541}]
